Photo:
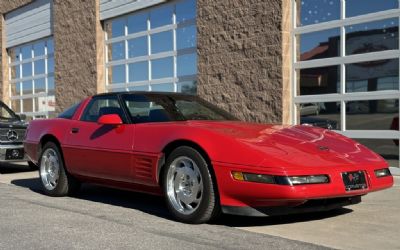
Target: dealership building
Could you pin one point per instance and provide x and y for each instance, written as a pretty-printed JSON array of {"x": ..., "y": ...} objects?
[{"x": 328, "y": 63}]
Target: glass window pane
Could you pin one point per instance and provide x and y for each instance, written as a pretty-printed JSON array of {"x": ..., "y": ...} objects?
[
  {"x": 137, "y": 23},
  {"x": 27, "y": 87},
  {"x": 317, "y": 11},
  {"x": 16, "y": 106},
  {"x": 186, "y": 37},
  {"x": 187, "y": 87},
  {"x": 26, "y": 52},
  {"x": 322, "y": 80},
  {"x": 50, "y": 46},
  {"x": 26, "y": 69},
  {"x": 372, "y": 115},
  {"x": 321, "y": 44},
  {"x": 322, "y": 114},
  {"x": 116, "y": 74},
  {"x": 388, "y": 149},
  {"x": 139, "y": 88},
  {"x": 50, "y": 65},
  {"x": 187, "y": 65},
  {"x": 161, "y": 16},
  {"x": 162, "y": 42},
  {"x": 14, "y": 54},
  {"x": 27, "y": 105},
  {"x": 185, "y": 10},
  {"x": 16, "y": 89},
  {"x": 372, "y": 36},
  {"x": 139, "y": 71},
  {"x": 39, "y": 67},
  {"x": 40, "y": 85},
  {"x": 162, "y": 68},
  {"x": 15, "y": 72},
  {"x": 38, "y": 49},
  {"x": 116, "y": 51},
  {"x": 45, "y": 103},
  {"x": 138, "y": 47},
  {"x": 372, "y": 76},
  {"x": 164, "y": 87},
  {"x": 360, "y": 7},
  {"x": 117, "y": 28},
  {"x": 50, "y": 85}
]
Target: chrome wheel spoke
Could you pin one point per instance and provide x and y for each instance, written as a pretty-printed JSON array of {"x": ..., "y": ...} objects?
[
  {"x": 49, "y": 169},
  {"x": 184, "y": 185}
]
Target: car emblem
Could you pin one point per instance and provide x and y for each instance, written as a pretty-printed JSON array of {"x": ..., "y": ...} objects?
[
  {"x": 323, "y": 148},
  {"x": 12, "y": 135}
]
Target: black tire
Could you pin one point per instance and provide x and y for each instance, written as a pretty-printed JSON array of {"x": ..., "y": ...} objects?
[
  {"x": 32, "y": 166},
  {"x": 66, "y": 184},
  {"x": 208, "y": 208}
]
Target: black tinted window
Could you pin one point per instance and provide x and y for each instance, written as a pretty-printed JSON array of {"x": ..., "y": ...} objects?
[
  {"x": 163, "y": 108},
  {"x": 103, "y": 105},
  {"x": 69, "y": 113}
]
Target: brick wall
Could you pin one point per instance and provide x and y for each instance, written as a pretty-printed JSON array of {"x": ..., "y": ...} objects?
[
  {"x": 240, "y": 57},
  {"x": 78, "y": 50}
]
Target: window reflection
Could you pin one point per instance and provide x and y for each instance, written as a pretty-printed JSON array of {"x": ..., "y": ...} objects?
[
  {"x": 186, "y": 37},
  {"x": 185, "y": 11},
  {"x": 372, "y": 76},
  {"x": 161, "y": 16},
  {"x": 139, "y": 71},
  {"x": 161, "y": 42},
  {"x": 187, "y": 64},
  {"x": 137, "y": 23},
  {"x": 322, "y": 80},
  {"x": 360, "y": 7},
  {"x": 322, "y": 114},
  {"x": 138, "y": 47},
  {"x": 317, "y": 11},
  {"x": 164, "y": 87},
  {"x": 117, "y": 51},
  {"x": 372, "y": 37},
  {"x": 320, "y": 44},
  {"x": 372, "y": 114},
  {"x": 162, "y": 68}
]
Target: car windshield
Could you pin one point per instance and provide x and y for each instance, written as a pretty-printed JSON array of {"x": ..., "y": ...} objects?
[
  {"x": 163, "y": 108},
  {"x": 6, "y": 114}
]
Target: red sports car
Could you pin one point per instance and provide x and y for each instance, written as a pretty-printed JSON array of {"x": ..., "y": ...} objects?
[{"x": 200, "y": 158}]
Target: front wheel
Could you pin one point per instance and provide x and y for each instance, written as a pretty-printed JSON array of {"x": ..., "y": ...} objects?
[
  {"x": 190, "y": 191},
  {"x": 54, "y": 178}
]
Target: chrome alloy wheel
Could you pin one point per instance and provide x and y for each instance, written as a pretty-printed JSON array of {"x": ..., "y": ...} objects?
[
  {"x": 184, "y": 185},
  {"x": 50, "y": 169}
]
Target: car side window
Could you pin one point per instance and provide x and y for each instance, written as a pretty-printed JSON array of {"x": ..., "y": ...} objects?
[
  {"x": 102, "y": 106},
  {"x": 143, "y": 110}
]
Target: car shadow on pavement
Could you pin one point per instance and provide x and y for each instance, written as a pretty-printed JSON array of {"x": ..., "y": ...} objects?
[
  {"x": 11, "y": 168},
  {"x": 155, "y": 205},
  {"x": 243, "y": 221},
  {"x": 146, "y": 203}
]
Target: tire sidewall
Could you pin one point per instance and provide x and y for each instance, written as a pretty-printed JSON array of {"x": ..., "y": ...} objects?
[
  {"x": 209, "y": 197},
  {"x": 62, "y": 184}
]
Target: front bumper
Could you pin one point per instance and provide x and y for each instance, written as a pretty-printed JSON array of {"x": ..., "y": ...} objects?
[
  {"x": 237, "y": 195},
  {"x": 4, "y": 157}
]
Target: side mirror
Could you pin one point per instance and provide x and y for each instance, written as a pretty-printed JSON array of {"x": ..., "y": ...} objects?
[
  {"x": 22, "y": 117},
  {"x": 110, "y": 119}
]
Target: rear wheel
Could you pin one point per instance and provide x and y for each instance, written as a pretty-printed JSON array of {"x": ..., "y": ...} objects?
[
  {"x": 188, "y": 186},
  {"x": 54, "y": 178}
]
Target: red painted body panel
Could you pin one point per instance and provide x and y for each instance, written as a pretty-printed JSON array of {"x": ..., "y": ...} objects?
[{"x": 128, "y": 156}]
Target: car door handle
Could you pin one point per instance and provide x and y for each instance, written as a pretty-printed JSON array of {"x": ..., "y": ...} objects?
[{"x": 74, "y": 130}]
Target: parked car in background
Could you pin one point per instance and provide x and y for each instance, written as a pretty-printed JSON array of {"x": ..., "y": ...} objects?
[
  {"x": 200, "y": 158},
  {"x": 395, "y": 126},
  {"x": 319, "y": 122},
  {"x": 12, "y": 132},
  {"x": 309, "y": 109}
]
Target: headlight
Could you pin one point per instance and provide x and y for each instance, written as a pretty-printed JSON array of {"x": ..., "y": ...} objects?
[
  {"x": 280, "y": 180},
  {"x": 382, "y": 172}
]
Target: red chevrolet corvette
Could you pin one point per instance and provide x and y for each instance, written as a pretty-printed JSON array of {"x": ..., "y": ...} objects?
[{"x": 200, "y": 158}]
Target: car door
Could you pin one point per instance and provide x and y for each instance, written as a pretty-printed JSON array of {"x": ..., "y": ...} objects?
[{"x": 101, "y": 151}]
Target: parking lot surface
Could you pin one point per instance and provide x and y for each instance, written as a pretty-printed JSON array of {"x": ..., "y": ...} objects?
[{"x": 105, "y": 218}]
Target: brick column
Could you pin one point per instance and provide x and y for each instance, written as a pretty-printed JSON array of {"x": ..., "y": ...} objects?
[
  {"x": 78, "y": 46},
  {"x": 240, "y": 62}
]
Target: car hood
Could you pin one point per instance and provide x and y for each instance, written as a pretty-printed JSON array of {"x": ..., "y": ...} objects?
[
  {"x": 286, "y": 146},
  {"x": 16, "y": 124}
]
